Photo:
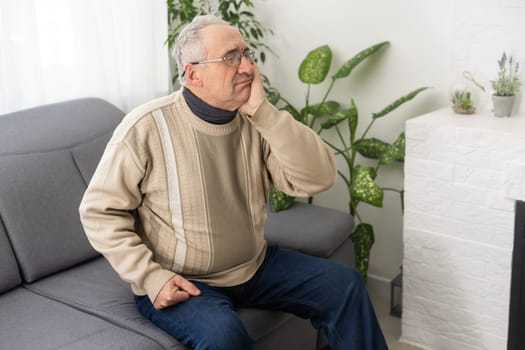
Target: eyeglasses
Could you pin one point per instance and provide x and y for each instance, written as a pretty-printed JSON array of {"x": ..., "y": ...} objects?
[{"x": 231, "y": 59}]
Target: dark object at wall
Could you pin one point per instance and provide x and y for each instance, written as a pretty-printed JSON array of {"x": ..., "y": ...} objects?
[{"x": 516, "y": 339}]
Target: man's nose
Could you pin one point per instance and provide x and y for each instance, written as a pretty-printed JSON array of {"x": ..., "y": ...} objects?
[{"x": 246, "y": 65}]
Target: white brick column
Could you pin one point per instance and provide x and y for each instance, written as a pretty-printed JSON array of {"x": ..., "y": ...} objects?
[{"x": 462, "y": 177}]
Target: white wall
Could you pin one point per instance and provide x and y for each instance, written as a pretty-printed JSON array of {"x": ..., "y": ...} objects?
[{"x": 431, "y": 44}]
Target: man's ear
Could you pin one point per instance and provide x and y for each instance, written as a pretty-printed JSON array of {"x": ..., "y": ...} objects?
[{"x": 192, "y": 76}]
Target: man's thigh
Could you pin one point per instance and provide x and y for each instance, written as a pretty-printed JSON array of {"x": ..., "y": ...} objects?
[{"x": 207, "y": 321}]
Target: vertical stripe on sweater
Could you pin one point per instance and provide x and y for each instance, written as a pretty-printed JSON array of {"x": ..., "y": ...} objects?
[{"x": 173, "y": 190}]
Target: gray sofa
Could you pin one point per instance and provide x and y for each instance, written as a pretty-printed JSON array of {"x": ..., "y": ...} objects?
[{"x": 56, "y": 292}]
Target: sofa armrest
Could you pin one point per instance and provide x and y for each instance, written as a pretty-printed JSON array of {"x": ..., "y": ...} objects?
[{"x": 309, "y": 228}]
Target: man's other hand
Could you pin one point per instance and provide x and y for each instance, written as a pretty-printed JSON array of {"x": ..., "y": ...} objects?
[{"x": 176, "y": 290}]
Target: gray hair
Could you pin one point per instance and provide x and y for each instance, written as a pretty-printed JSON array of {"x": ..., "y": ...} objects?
[{"x": 188, "y": 45}]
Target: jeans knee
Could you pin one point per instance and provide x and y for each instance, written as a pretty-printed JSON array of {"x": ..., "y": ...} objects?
[
  {"x": 355, "y": 280},
  {"x": 344, "y": 275},
  {"x": 355, "y": 276},
  {"x": 347, "y": 282}
]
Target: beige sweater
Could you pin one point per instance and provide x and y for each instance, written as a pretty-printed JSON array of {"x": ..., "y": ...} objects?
[{"x": 175, "y": 194}]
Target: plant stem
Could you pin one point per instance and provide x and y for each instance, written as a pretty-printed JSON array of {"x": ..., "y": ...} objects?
[
  {"x": 345, "y": 150},
  {"x": 341, "y": 137},
  {"x": 322, "y": 101},
  {"x": 345, "y": 179},
  {"x": 401, "y": 199},
  {"x": 391, "y": 189},
  {"x": 305, "y": 120},
  {"x": 354, "y": 212},
  {"x": 368, "y": 128},
  {"x": 285, "y": 101},
  {"x": 338, "y": 151},
  {"x": 333, "y": 146}
]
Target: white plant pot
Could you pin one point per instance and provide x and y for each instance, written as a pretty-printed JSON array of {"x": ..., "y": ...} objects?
[{"x": 503, "y": 105}]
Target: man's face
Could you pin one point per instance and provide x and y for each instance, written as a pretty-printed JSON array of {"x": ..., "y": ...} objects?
[{"x": 224, "y": 86}]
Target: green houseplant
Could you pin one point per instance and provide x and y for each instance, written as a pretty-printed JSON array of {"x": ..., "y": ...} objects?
[
  {"x": 462, "y": 103},
  {"x": 330, "y": 115},
  {"x": 237, "y": 12},
  {"x": 506, "y": 86}
]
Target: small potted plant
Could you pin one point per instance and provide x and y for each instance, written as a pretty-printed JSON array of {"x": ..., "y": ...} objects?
[
  {"x": 506, "y": 86},
  {"x": 462, "y": 101}
]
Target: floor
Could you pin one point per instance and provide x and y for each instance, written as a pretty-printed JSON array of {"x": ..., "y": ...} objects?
[{"x": 390, "y": 325}]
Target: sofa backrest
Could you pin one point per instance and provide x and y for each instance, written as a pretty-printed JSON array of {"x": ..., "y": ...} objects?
[{"x": 47, "y": 156}]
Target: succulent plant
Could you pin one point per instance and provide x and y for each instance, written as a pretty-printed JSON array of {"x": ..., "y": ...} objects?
[{"x": 462, "y": 101}]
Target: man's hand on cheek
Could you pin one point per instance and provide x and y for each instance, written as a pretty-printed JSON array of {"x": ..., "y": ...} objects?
[{"x": 257, "y": 95}]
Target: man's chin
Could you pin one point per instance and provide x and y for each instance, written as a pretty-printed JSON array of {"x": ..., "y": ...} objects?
[{"x": 243, "y": 92}]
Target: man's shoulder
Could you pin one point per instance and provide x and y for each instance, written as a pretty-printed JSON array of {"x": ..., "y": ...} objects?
[
  {"x": 140, "y": 117},
  {"x": 153, "y": 105}
]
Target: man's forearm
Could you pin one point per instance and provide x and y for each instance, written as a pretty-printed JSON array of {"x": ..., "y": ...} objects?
[{"x": 299, "y": 160}]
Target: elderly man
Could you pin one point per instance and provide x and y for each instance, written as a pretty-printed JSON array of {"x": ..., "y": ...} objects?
[{"x": 177, "y": 205}]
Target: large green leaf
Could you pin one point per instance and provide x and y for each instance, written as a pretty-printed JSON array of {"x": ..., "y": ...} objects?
[
  {"x": 335, "y": 119},
  {"x": 363, "y": 239},
  {"x": 315, "y": 66},
  {"x": 327, "y": 108},
  {"x": 394, "y": 152},
  {"x": 273, "y": 95},
  {"x": 279, "y": 200},
  {"x": 349, "y": 65},
  {"x": 363, "y": 188},
  {"x": 353, "y": 119},
  {"x": 317, "y": 110},
  {"x": 370, "y": 148},
  {"x": 398, "y": 102}
]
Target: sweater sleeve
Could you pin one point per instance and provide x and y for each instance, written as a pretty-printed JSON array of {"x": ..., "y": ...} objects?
[
  {"x": 298, "y": 160},
  {"x": 106, "y": 212}
]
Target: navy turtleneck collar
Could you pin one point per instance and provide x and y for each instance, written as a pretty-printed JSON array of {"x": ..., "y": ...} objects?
[{"x": 205, "y": 111}]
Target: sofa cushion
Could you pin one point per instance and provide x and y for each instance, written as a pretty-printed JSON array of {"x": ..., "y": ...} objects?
[
  {"x": 94, "y": 287},
  {"x": 39, "y": 199},
  {"x": 30, "y": 321},
  {"x": 309, "y": 228},
  {"x": 9, "y": 273}
]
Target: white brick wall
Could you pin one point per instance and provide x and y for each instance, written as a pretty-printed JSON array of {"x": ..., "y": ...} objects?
[{"x": 462, "y": 176}]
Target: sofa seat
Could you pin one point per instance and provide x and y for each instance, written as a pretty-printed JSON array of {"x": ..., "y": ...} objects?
[
  {"x": 30, "y": 321},
  {"x": 95, "y": 288}
]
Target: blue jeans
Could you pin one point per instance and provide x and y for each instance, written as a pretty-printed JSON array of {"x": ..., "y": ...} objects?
[{"x": 332, "y": 295}]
